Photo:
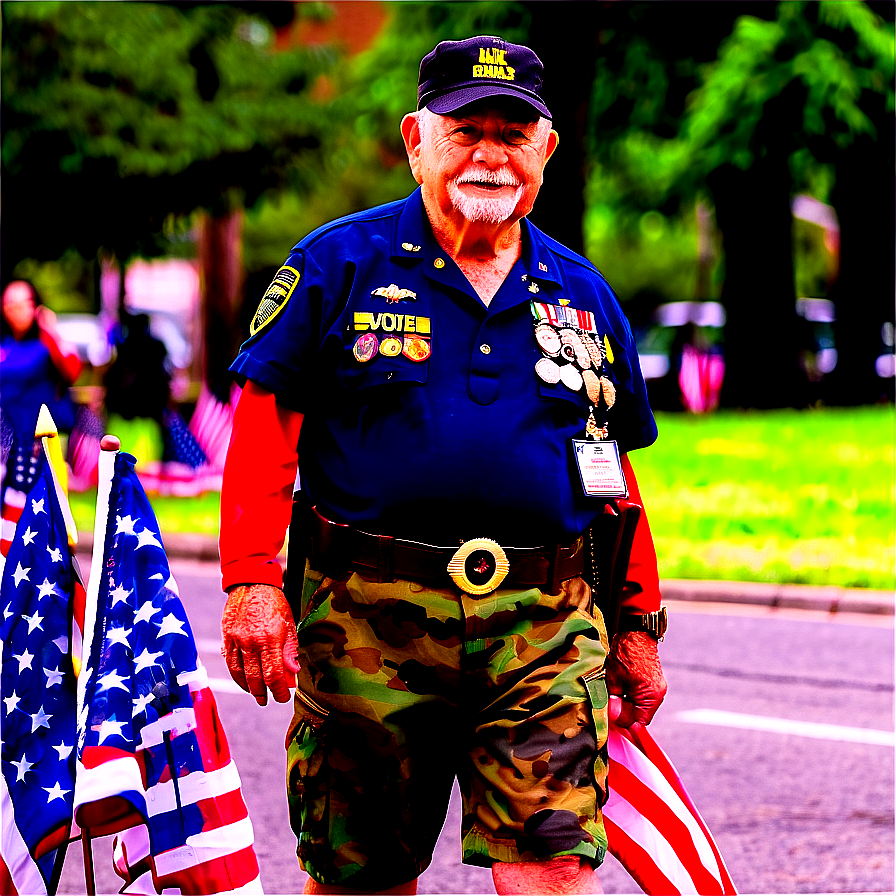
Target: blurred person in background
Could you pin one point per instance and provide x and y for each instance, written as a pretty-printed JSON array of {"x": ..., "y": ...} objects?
[
  {"x": 463, "y": 392},
  {"x": 138, "y": 387},
  {"x": 36, "y": 365}
]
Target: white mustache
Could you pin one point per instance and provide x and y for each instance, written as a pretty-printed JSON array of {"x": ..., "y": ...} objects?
[{"x": 502, "y": 177}]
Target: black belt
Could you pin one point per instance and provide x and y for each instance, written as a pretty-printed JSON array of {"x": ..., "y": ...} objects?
[{"x": 477, "y": 567}]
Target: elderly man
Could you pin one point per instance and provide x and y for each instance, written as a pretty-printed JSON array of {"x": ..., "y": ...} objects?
[{"x": 461, "y": 392}]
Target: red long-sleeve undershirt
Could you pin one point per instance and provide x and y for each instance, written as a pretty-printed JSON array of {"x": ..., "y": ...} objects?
[
  {"x": 256, "y": 502},
  {"x": 64, "y": 358}
]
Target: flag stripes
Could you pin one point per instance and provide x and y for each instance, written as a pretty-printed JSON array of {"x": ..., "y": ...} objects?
[{"x": 653, "y": 827}]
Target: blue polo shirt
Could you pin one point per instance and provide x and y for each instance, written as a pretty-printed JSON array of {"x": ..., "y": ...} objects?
[{"x": 428, "y": 415}]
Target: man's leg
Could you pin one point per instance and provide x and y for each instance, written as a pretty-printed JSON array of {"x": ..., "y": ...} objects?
[
  {"x": 312, "y": 886},
  {"x": 565, "y": 874}
]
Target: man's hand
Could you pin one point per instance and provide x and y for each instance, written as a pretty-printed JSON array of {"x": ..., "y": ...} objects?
[
  {"x": 634, "y": 673},
  {"x": 260, "y": 643}
]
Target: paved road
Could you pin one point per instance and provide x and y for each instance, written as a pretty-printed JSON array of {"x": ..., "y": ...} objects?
[{"x": 806, "y": 807}]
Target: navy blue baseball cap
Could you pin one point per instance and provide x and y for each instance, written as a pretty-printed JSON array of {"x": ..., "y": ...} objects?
[{"x": 459, "y": 72}]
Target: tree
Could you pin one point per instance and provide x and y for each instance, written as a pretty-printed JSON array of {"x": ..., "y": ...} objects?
[
  {"x": 119, "y": 117},
  {"x": 817, "y": 76}
]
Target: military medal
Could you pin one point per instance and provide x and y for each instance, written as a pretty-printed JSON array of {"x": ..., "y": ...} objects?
[
  {"x": 594, "y": 350},
  {"x": 571, "y": 377},
  {"x": 390, "y": 346},
  {"x": 592, "y": 385},
  {"x": 548, "y": 370},
  {"x": 574, "y": 349},
  {"x": 548, "y": 339},
  {"x": 366, "y": 347},
  {"x": 609, "y": 391}
]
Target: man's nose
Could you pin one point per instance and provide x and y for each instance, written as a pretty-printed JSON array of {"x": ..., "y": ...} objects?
[{"x": 490, "y": 151}]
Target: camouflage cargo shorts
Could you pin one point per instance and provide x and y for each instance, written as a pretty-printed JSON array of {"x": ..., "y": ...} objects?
[{"x": 404, "y": 687}]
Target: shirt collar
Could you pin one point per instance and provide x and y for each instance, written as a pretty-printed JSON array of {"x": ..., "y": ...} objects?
[{"x": 412, "y": 238}]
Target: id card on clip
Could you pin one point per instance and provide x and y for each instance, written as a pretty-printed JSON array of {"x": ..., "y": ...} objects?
[{"x": 600, "y": 469}]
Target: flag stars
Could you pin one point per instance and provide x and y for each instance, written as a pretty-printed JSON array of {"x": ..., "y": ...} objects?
[
  {"x": 23, "y": 766},
  {"x": 62, "y": 643},
  {"x": 21, "y": 574},
  {"x": 147, "y": 538},
  {"x": 146, "y": 659},
  {"x": 146, "y": 612},
  {"x": 54, "y": 677},
  {"x": 29, "y": 536},
  {"x": 47, "y": 588},
  {"x": 171, "y": 625},
  {"x": 119, "y": 635},
  {"x": 64, "y": 750},
  {"x": 34, "y": 621},
  {"x": 12, "y": 701},
  {"x": 40, "y": 719},
  {"x": 142, "y": 702},
  {"x": 125, "y": 525},
  {"x": 112, "y": 680},
  {"x": 56, "y": 792},
  {"x": 24, "y": 659},
  {"x": 55, "y": 554},
  {"x": 37, "y": 506},
  {"x": 119, "y": 594},
  {"x": 110, "y": 728}
]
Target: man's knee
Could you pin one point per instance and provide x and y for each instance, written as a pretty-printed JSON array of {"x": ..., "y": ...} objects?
[{"x": 564, "y": 874}]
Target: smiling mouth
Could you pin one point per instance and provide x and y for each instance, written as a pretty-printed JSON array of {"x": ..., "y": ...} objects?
[{"x": 487, "y": 185}]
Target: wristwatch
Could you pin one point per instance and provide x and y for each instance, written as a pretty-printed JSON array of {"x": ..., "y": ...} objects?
[{"x": 655, "y": 623}]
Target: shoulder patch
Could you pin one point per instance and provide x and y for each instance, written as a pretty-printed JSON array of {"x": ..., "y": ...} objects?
[{"x": 275, "y": 298}]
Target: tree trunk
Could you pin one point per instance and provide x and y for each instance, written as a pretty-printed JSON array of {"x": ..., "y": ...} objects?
[
  {"x": 863, "y": 293},
  {"x": 221, "y": 272},
  {"x": 762, "y": 334},
  {"x": 565, "y": 41}
]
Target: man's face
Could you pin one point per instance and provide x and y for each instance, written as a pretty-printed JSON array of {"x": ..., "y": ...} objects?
[{"x": 483, "y": 163}]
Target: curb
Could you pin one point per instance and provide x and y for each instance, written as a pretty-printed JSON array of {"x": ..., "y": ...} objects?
[{"x": 822, "y": 598}]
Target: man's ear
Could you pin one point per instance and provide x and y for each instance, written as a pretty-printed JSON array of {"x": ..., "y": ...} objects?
[
  {"x": 410, "y": 133},
  {"x": 552, "y": 143}
]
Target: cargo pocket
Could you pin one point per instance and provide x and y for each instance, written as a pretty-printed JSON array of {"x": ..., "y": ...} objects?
[
  {"x": 307, "y": 771},
  {"x": 598, "y": 696}
]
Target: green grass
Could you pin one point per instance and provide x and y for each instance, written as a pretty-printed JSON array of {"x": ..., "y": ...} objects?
[{"x": 773, "y": 496}]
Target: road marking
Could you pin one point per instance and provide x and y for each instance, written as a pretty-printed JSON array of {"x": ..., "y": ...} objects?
[
  {"x": 787, "y": 726},
  {"x": 225, "y": 686}
]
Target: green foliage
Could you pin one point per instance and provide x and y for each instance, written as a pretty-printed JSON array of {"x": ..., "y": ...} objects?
[
  {"x": 125, "y": 114},
  {"x": 776, "y": 496}
]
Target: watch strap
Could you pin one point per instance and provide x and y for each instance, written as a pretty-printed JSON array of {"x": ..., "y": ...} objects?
[{"x": 655, "y": 623}]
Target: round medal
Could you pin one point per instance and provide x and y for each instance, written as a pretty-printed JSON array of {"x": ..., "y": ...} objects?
[
  {"x": 366, "y": 347},
  {"x": 548, "y": 370},
  {"x": 592, "y": 385},
  {"x": 416, "y": 348},
  {"x": 548, "y": 339},
  {"x": 609, "y": 391},
  {"x": 390, "y": 346},
  {"x": 574, "y": 349},
  {"x": 571, "y": 377}
]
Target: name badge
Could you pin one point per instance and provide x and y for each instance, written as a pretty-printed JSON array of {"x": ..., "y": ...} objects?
[{"x": 600, "y": 468}]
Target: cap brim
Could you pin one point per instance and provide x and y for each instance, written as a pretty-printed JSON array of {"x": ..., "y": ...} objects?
[{"x": 451, "y": 102}]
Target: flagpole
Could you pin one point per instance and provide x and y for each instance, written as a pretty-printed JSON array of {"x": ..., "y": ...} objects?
[{"x": 46, "y": 431}]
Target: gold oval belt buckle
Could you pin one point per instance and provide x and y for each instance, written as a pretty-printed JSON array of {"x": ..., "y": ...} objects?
[{"x": 479, "y": 566}]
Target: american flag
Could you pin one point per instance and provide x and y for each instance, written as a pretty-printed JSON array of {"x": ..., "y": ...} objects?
[
  {"x": 39, "y": 693},
  {"x": 151, "y": 749},
  {"x": 22, "y": 468},
  {"x": 653, "y": 826}
]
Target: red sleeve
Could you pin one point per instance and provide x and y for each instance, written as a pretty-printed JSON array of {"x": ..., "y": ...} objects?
[
  {"x": 64, "y": 358},
  {"x": 641, "y": 593},
  {"x": 256, "y": 494}
]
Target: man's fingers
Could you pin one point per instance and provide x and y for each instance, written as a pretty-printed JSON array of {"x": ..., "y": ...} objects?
[
  {"x": 255, "y": 678},
  {"x": 234, "y": 658},
  {"x": 274, "y": 674},
  {"x": 291, "y": 654}
]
